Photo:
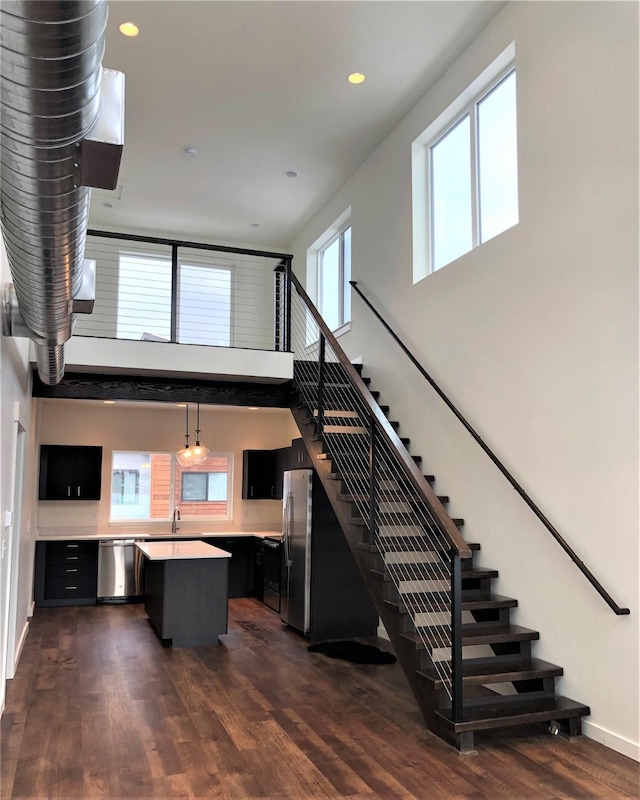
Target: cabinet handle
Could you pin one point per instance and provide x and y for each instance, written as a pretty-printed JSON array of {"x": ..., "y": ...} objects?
[
  {"x": 71, "y": 570},
  {"x": 251, "y": 492},
  {"x": 78, "y": 491},
  {"x": 70, "y": 587},
  {"x": 68, "y": 491},
  {"x": 69, "y": 546},
  {"x": 72, "y": 558}
]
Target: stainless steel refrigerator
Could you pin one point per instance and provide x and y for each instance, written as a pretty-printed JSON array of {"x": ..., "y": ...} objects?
[{"x": 323, "y": 594}]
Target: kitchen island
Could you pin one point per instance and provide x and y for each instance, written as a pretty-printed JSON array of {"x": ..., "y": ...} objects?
[{"x": 186, "y": 591}]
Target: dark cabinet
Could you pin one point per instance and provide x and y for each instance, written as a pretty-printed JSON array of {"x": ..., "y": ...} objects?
[
  {"x": 70, "y": 472},
  {"x": 283, "y": 460},
  {"x": 241, "y": 564},
  {"x": 66, "y": 573},
  {"x": 267, "y": 572},
  {"x": 299, "y": 458},
  {"x": 259, "y": 475},
  {"x": 258, "y": 570}
]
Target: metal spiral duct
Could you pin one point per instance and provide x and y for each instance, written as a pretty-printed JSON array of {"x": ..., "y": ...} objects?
[{"x": 51, "y": 54}]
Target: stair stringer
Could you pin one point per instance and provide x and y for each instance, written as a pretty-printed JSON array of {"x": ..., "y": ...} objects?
[{"x": 408, "y": 656}]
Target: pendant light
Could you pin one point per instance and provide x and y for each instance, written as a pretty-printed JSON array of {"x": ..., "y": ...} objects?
[
  {"x": 185, "y": 455},
  {"x": 200, "y": 452}
]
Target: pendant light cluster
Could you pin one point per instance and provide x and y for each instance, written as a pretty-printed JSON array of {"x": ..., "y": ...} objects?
[{"x": 190, "y": 456}]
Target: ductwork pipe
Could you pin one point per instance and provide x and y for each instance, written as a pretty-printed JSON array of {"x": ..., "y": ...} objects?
[{"x": 51, "y": 67}]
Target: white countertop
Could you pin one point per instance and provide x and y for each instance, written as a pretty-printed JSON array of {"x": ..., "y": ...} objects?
[
  {"x": 70, "y": 535},
  {"x": 164, "y": 551}
]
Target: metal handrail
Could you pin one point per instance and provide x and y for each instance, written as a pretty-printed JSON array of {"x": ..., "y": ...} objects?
[
  {"x": 445, "y": 523},
  {"x": 527, "y": 499}
]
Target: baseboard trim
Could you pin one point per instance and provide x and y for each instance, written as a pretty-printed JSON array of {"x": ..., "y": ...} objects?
[
  {"x": 611, "y": 740},
  {"x": 20, "y": 645}
]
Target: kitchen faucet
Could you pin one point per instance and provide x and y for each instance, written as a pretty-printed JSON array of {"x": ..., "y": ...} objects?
[{"x": 175, "y": 519}]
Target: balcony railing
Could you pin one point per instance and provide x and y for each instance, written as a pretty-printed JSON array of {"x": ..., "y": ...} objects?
[{"x": 148, "y": 288}]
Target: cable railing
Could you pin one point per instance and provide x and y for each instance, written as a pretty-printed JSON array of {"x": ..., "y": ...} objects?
[
  {"x": 164, "y": 290},
  {"x": 418, "y": 544},
  {"x": 501, "y": 467}
]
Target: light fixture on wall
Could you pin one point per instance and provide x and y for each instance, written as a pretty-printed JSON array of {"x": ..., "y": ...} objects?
[
  {"x": 200, "y": 452},
  {"x": 185, "y": 455}
]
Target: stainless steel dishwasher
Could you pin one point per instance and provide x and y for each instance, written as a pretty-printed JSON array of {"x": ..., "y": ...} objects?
[{"x": 120, "y": 571}]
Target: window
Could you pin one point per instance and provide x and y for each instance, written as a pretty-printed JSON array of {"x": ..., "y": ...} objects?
[
  {"x": 144, "y": 300},
  {"x": 144, "y": 296},
  {"x": 334, "y": 274},
  {"x": 147, "y": 486},
  {"x": 470, "y": 159},
  {"x": 204, "y": 487},
  {"x": 125, "y": 487},
  {"x": 204, "y": 295}
]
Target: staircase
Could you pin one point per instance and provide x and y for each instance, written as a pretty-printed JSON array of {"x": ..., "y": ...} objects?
[{"x": 470, "y": 669}]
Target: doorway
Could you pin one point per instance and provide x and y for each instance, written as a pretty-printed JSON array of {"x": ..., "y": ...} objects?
[{"x": 9, "y": 560}]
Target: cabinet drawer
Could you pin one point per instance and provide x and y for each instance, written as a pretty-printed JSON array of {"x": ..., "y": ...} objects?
[
  {"x": 71, "y": 568},
  {"x": 71, "y": 547},
  {"x": 59, "y": 587},
  {"x": 70, "y": 558}
]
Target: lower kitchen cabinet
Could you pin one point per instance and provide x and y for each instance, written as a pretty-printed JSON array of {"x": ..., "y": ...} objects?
[
  {"x": 66, "y": 573},
  {"x": 241, "y": 564},
  {"x": 258, "y": 572}
]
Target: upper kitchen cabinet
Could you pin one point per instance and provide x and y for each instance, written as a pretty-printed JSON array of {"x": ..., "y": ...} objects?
[
  {"x": 70, "y": 472},
  {"x": 300, "y": 458},
  {"x": 259, "y": 475}
]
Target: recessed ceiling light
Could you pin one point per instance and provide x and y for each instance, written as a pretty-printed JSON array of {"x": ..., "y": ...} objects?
[
  {"x": 109, "y": 402},
  {"x": 191, "y": 151},
  {"x": 129, "y": 29},
  {"x": 290, "y": 174},
  {"x": 356, "y": 77}
]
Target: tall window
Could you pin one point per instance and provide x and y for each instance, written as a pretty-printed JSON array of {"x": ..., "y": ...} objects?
[
  {"x": 144, "y": 296},
  {"x": 147, "y": 486},
  {"x": 465, "y": 170},
  {"x": 334, "y": 274},
  {"x": 473, "y": 172},
  {"x": 204, "y": 305}
]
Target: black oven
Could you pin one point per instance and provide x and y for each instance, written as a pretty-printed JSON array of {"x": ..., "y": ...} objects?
[{"x": 271, "y": 565}]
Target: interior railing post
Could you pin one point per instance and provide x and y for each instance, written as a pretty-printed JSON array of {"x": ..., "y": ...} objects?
[
  {"x": 174, "y": 293},
  {"x": 373, "y": 480},
  {"x": 456, "y": 637},
  {"x": 321, "y": 379},
  {"x": 287, "y": 292},
  {"x": 278, "y": 276}
]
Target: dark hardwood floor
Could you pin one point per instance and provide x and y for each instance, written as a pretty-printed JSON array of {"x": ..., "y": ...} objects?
[{"x": 100, "y": 709}]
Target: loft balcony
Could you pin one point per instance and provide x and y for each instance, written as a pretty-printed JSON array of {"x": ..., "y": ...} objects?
[{"x": 183, "y": 310}]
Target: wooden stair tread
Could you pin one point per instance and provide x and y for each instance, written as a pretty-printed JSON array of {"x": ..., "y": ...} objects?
[
  {"x": 491, "y": 601},
  {"x": 470, "y": 636},
  {"x": 468, "y": 574},
  {"x": 373, "y": 548},
  {"x": 521, "y": 712},
  {"x": 501, "y": 672},
  {"x": 364, "y": 476},
  {"x": 388, "y": 495}
]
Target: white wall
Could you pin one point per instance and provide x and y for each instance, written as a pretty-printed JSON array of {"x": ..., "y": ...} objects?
[
  {"x": 534, "y": 336},
  {"x": 15, "y": 406},
  {"x": 159, "y": 428}
]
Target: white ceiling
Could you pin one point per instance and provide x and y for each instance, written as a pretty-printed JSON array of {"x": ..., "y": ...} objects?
[{"x": 259, "y": 88}]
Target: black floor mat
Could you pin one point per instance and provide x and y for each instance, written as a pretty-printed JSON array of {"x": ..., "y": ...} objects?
[{"x": 353, "y": 651}]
